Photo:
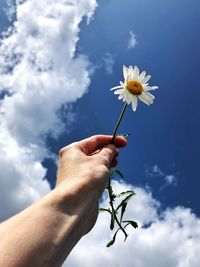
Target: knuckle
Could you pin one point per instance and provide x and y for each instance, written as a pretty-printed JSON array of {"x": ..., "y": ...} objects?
[
  {"x": 73, "y": 145},
  {"x": 83, "y": 147},
  {"x": 101, "y": 170},
  {"x": 105, "y": 161},
  {"x": 113, "y": 148},
  {"x": 97, "y": 138},
  {"x": 95, "y": 177},
  {"x": 65, "y": 149},
  {"x": 62, "y": 151}
]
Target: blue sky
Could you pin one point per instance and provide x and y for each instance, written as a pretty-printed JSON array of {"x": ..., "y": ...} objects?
[
  {"x": 72, "y": 100},
  {"x": 166, "y": 133}
]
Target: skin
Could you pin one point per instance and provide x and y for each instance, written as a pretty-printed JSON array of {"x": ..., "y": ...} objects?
[{"x": 45, "y": 233}]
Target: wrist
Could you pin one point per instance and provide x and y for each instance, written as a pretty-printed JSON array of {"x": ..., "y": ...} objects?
[
  {"x": 62, "y": 219},
  {"x": 72, "y": 203}
]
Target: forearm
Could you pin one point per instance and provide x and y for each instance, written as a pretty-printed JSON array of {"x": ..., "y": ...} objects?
[{"x": 45, "y": 233}]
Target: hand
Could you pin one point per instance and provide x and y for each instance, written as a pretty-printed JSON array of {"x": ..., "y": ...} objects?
[{"x": 83, "y": 171}]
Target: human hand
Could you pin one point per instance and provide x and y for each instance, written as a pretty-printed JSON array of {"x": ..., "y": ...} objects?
[{"x": 83, "y": 172}]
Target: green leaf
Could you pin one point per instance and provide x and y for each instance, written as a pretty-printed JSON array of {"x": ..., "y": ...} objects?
[
  {"x": 112, "y": 222},
  {"x": 113, "y": 240},
  {"x": 126, "y": 199},
  {"x": 109, "y": 244},
  {"x": 111, "y": 173},
  {"x": 114, "y": 171},
  {"x": 125, "y": 193},
  {"x": 123, "y": 210},
  {"x": 110, "y": 190},
  {"x": 105, "y": 210},
  {"x": 119, "y": 173},
  {"x": 133, "y": 223}
]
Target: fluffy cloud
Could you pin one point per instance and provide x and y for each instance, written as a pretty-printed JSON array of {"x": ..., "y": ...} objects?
[
  {"x": 39, "y": 73},
  {"x": 169, "y": 238},
  {"x": 39, "y": 68},
  {"x": 21, "y": 176},
  {"x": 132, "y": 40}
]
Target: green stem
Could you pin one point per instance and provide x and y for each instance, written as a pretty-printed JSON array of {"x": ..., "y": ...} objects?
[
  {"x": 109, "y": 180},
  {"x": 118, "y": 123},
  {"x": 113, "y": 210}
]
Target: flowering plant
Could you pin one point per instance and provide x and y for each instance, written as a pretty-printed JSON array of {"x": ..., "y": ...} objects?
[{"x": 134, "y": 87}]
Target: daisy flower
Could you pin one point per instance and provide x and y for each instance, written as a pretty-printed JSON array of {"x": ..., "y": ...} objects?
[{"x": 135, "y": 86}]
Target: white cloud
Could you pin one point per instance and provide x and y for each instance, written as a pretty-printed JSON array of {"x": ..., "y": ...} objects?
[
  {"x": 155, "y": 171},
  {"x": 170, "y": 179},
  {"x": 171, "y": 238},
  {"x": 21, "y": 176},
  {"x": 132, "y": 41},
  {"x": 45, "y": 73},
  {"x": 109, "y": 63},
  {"x": 10, "y": 9},
  {"x": 41, "y": 73}
]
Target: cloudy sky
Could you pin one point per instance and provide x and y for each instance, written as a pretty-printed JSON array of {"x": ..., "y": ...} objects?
[{"x": 58, "y": 60}]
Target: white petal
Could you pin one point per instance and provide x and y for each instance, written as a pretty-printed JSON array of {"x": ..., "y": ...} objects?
[
  {"x": 143, "y": 99},
  {"x": 134, "y": 103},
  {"x": 129, "y": 76},
  {"x": 125, "y": 98},
  {"x": 136, "y": 73},
  {"x": 121, "y": 96},
  {"x": 150, "y": 96},
  {"x": 116, "y": 87},
  {"x": 142, "y": 75},
  {"x": 146, "y": 79},
  {"x": 147, "y": 98},
  {"x": 125, "y": 72},
  {"x": 149, "y": 88},
  {"x": 118, "y": 92},
  {"x": 130, "y": 73},
  {"x": 128, "y": 99}
]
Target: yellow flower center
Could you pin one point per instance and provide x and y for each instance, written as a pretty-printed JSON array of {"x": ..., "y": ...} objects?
[{"x": 134, "y": 87}]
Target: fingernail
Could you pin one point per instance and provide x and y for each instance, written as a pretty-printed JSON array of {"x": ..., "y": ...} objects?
[{"x": 124, "y": 135}]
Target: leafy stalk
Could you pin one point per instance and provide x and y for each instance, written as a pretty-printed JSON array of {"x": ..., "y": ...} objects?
[
  {"x": 122, "y": 224},
  {"x": 113, "y": 210},
  {"x": 128, "y": 194}
]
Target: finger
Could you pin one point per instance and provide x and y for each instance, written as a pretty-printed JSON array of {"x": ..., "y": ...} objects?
[
  {"x": 113, "y": 163},
  {"x": 108, "y": 152},
  {"x": 96, "y": 142},
  {"x": 117, "y": 153},
  {"x": 120, "y": 141},
  {"x": 97, "y": 151}
]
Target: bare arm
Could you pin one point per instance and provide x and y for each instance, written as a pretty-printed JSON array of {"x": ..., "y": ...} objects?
[{"x": 45, "y": 233}]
